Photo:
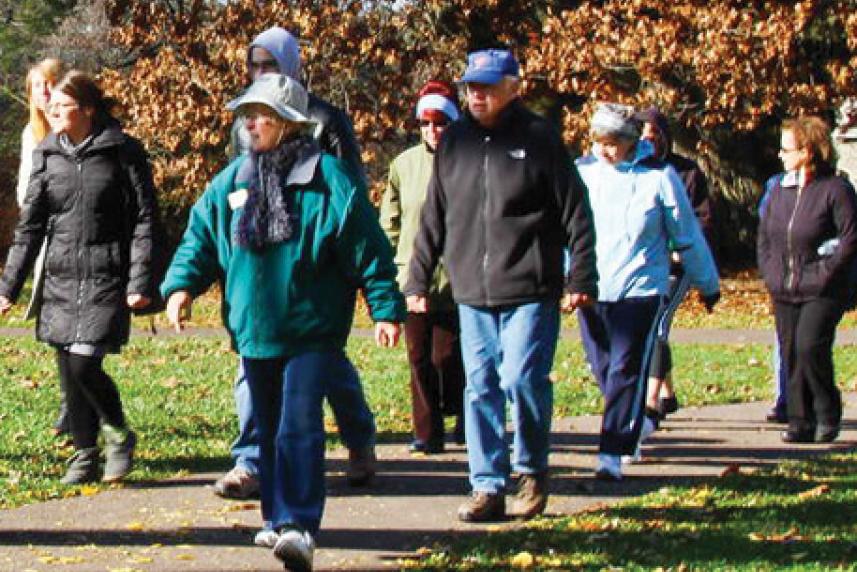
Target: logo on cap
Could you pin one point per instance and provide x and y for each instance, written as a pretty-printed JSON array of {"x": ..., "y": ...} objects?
[{"x": 482, "y": 61}]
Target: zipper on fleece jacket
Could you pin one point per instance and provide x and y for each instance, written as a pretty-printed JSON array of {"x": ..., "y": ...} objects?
[
  {"x": 80, "y": 262},
  {"x": 486, "y": 141},
  {"x": 790, "y": 263}
]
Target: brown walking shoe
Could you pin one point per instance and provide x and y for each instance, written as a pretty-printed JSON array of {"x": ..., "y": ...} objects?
[
  {"x": 483, "y": 507},
  {"x": 238, "y": 483},
  {"x": 361, "y": 466},
  {"x": 532, "y": 497}
]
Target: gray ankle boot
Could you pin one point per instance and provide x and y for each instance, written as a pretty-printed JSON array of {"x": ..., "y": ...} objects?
[
  {"x": 119, "y": 446},
  {"x": 82, "y": 467}
]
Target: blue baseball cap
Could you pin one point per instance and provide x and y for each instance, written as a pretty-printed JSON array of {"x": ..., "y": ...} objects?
[{"x": 489, "y": 66}]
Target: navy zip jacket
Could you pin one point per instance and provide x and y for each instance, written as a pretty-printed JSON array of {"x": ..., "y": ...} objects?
[
  {"x": 794, "y": 225},
  {"x": 501, "y": 206}
]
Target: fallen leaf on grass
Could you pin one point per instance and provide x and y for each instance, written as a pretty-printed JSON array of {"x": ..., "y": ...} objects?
[
  {"x": 89, "y": 490},
  {"x": 792, "y": 535},
  {"x": 815, "y": 492},
  {"x": 523, "y": 560}
]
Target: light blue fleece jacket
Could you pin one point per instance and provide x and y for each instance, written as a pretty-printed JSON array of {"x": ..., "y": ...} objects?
[{"x": 641, "y": 213}]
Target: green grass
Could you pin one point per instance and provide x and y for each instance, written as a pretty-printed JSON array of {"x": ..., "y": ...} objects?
[
  {"x": 177, "y": 392},
  {"x": 797, "y": 516}
]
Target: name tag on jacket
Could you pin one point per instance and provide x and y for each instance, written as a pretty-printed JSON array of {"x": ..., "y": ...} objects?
[{"x": 237, "y": 199}]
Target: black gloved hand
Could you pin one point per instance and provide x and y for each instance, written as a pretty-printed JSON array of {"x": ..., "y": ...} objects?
[{"x": 710, "y": 300}]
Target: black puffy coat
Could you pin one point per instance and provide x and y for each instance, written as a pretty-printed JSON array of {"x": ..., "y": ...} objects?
[{"x": 97, "y": 208}]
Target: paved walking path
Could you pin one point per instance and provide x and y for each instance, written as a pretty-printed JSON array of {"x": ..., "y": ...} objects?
[{"x": 179, "y": 524}]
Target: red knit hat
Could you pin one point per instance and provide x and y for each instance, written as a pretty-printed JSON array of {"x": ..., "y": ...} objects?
[{"x": 437, "y": 97}]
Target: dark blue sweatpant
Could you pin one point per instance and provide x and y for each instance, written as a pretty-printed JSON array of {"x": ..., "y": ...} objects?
[{"x": 618, "y": 338}]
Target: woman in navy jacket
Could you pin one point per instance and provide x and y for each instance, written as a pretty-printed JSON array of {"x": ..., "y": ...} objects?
[{"x": 807, "y": 245}]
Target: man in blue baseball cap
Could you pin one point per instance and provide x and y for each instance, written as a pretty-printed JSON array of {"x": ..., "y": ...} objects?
[{"x": 503, "y": 203}]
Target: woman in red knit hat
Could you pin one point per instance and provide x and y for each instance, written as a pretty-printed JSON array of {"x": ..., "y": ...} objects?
[{"x": 434, "y": 354}]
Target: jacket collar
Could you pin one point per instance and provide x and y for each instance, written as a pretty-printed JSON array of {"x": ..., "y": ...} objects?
[
  {"x": 304, "y": 168},
  {"x": 108, "y": 135}
]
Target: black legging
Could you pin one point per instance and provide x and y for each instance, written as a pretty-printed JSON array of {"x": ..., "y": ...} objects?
[{"x": 91, "y": 396}]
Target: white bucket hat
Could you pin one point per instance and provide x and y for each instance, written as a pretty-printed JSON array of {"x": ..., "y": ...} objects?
[{"x": 281, "y": 93}]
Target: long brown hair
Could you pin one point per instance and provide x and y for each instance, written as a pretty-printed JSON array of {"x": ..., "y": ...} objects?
[
  {"x": 813, "y": 133},
  {"x": 51, "y": 70}
]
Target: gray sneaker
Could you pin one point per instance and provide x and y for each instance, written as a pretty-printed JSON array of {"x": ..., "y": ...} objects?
[
  {"x": 266, "y": 538},
  {"x": 118, "y": 455},
  {"x": 82, "y": 467},
  {"x": 294, "y": 548}
]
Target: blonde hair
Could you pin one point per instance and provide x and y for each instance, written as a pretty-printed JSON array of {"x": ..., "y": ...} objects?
[
  {"x": 51, "y": 70},
  {"x": 813, "y": 133}
]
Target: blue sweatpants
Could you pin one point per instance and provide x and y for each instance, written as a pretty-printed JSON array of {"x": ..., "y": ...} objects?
[{"x": 618, "y": 338}]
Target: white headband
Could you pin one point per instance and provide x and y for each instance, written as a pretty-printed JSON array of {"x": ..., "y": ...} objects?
[{"x": 438, "y": 102}]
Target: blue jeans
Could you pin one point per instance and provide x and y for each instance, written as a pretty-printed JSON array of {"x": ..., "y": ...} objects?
[
  {"x": 781, "y": 379},
  {"x": 508, "y": 353},
  {"x": 353, "y": 418},
  {"x": 287, "y": 396}
]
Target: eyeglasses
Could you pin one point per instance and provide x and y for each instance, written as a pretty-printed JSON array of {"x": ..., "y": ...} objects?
[
  {"x": 58, "y": 107},
  {"x": 440, "y": 123},
  {"x": 254, "y": 115}
]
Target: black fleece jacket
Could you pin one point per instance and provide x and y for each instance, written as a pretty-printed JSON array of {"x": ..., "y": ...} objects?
[
  {"x": 501, "y": 206},
  {"x": 795, "y": 224}
]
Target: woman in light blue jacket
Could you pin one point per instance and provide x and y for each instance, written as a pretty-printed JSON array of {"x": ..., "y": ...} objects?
[{"x": 641, "y": 214}]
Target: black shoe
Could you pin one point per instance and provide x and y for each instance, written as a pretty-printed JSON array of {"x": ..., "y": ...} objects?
[
  {"x": 667, "y": 405},
  {"x": 826, "y": 433},
  {"x": 776, "y": 416},
  {"x": 419, "y": 446},
  {"x": 798, "y": 436},
  {"x": 654, "y": 416}
]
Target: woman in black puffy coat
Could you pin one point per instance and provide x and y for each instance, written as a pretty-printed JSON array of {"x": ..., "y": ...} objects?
[
  {"x": 92, "y": 199},
  {"x": 806, "y": 253}
]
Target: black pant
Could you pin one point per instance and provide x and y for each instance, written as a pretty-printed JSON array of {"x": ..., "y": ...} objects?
[
  {"x": 806, "y": 332},
  {"x": 437, "y": 373},
  {"x": 91, "y": 395}
]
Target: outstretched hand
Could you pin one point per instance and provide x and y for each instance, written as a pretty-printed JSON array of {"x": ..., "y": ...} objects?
[
  {"x": 5, "y": 305},
  {"x": 387, "y": 334},
  {"x": 137, "y": 301},
  {"x": 178, "y": 309},
  {"x": 417, "y": 303},
  {"x": 573, "y": 300}
]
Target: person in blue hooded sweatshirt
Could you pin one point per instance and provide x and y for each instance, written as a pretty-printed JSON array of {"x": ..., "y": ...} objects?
[{"x": 641, "y": 213}]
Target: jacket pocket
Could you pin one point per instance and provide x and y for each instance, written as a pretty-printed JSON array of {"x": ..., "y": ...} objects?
[{"x": 104, "y": 260}]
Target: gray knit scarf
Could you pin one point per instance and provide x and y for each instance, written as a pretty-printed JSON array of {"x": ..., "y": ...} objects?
[{"x": 266, "y": 219}]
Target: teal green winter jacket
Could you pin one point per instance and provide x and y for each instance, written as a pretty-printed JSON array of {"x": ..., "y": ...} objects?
[{"x": 299, "y": 295}]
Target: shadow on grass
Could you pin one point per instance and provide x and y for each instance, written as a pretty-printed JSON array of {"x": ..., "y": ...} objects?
[{"x": 656, "y": 550}]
